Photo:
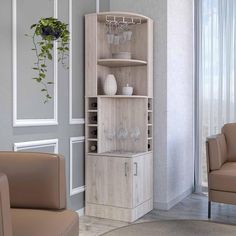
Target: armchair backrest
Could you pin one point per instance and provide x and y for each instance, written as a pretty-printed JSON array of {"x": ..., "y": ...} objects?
[
  {"x": 36, "y": 180},
  {"x": 216, "y": 151},
  {"x": 229, "y": 130},
  {"x": 5, "y": 215}
]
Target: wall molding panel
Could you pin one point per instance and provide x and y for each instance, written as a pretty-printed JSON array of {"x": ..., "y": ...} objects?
[
  {"x": 73, "y": 121},
  {"x": 37, "y": 144},
  {"x": 97, "y": 6},
  {"x": 80, "y": 189},
  {"x": 32, "y": 122}
]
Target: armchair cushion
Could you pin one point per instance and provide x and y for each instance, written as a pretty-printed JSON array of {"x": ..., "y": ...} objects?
[
  {"x": 27, "y": 222},
  {"x": 229, "y": 130},
  {"x": 216, "y": 151},
  {"x": 36, "y": 180},
  {"x": 223, "y": 179}
]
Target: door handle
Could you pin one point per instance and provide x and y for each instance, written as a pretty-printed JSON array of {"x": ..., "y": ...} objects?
[{"x": 136, "y": 169}]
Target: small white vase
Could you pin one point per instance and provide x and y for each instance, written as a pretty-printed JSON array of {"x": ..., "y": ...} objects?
[
  {"x": 127, "y": 90},
  {"x": 110, "y": 85}
]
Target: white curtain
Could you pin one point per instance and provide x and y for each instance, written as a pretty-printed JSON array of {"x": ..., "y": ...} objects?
[{"x": 216, "y": 70}]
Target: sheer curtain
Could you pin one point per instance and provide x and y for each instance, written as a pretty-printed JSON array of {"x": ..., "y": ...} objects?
[{"x": 216, "y": 71}]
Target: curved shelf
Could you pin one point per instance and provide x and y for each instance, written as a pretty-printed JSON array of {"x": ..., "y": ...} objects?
[
  {"x": 121, "y": 62},
  {"x": 102, "y": 15},
  {"x": 121, "y": 96}
]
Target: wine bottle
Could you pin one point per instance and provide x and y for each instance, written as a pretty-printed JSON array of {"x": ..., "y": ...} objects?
[
  {"x": 94, "y": 118},
  {"x": 94, "y": 105},
  {"x": 93, "y": 148},
  {"x": 94, "y": 132}
]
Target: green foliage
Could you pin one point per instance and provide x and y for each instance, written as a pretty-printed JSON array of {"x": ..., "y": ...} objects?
[{"x": 48, "y": 30}]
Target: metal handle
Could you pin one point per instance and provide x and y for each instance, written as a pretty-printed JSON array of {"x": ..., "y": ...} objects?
[
  {"x": 136, "y": 169},
  {"x": 126, "y": 165}
]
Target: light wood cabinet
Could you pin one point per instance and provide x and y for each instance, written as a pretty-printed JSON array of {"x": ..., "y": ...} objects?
[
  {"x": 142, "y": 179},
  {"x": 109, "y": 181},
  {"x": 118, "y": 129},
  {"x": 119, "y": 181}
]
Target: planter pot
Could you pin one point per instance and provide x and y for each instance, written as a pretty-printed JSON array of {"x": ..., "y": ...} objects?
[
  {"x": 47, "y": 30},
  {"x": 110, "y": 85}
]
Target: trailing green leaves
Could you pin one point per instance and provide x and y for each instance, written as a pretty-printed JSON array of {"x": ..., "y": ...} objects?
[{"x": 48, "y": 30}]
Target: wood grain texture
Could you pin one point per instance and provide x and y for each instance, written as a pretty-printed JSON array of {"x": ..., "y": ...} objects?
[
  {"x": 118, "y": 213},
  {"x": 109, "y": 181},
  {"x": 91, "y": 55},
  {"x": 150, "y": 58},
  {"x": 142, "y": 179}
]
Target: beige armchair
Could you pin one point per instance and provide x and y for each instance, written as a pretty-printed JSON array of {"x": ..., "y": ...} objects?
[
  {"x": 37, "y": 202},
  {"x": 221, "y": 166}
]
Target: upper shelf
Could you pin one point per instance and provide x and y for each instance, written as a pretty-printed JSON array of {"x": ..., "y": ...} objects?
[{"x": 121, "y": 62}]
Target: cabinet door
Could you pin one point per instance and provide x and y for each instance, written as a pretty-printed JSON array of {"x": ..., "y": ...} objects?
[
  {"x": 142, "y": 179},
  {"x": 109, "y": 181}
]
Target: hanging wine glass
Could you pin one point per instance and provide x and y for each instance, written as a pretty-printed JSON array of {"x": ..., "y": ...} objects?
[
  {"x": 110, "y": 134},
  {"x": 122, "y": 133},
  {"x": 135, "y": 134},
  {"x": 116, "y": 36},
  {"x": 110, "y": 35}
]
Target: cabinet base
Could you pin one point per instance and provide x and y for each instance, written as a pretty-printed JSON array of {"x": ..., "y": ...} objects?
[{"x": 118, "y": 213}]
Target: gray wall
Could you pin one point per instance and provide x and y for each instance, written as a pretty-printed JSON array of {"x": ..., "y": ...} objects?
[
  {"x": 29, "y": 99},
  {"x": 173, "y": 92},
  {"x": 173, "y": 95}
]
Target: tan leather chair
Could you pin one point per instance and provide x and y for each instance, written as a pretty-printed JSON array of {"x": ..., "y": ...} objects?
[
  {"x": 221, "y": 166},
  {"x": 37, "y": 202}
]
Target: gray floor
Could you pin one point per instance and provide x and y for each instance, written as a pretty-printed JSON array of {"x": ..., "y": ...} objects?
[{"x": 193, "y": 207}]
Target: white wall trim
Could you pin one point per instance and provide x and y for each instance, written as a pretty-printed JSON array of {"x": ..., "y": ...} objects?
[
  {"x": 81, "y": 212},
  {"x": 37, "y": 144},
  {"x": 32, "y": 122},
  {"x": 97, "y": 6},
  {"x": 79, "y": 189},
  {"x": 73, "y": 121},
  {"x": 167, "y": 205}
]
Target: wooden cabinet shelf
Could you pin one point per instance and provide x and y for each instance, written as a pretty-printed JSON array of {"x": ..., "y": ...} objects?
[
  {"x": 121, "y": 62},
  {"x": 92, "y": 139},
  {"x": 92, "y": 125},
  {"x": 122, "y": 154},
  {"x": 121, "y": 96}
]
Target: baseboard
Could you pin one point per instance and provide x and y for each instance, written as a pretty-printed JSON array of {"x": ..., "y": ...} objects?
[
  {"x": 167, "y": 205},
  {"x": 119, "y": 213},
  {"x": 201, "y": 189},
  {"x": 81, "y": 212}
]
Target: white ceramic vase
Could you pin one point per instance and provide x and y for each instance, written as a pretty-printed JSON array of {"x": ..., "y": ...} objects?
[{"x": 110, "y": 85}]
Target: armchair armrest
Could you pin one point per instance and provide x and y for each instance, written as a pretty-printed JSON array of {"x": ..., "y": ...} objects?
[
  {"x": 36, "y": 180},
  {"x": 216, "y": 151},
  {"x": 5, "y": 215}
]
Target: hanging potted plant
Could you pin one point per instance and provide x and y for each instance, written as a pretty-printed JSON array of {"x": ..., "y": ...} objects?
[{"x": 46, "y": 31}]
